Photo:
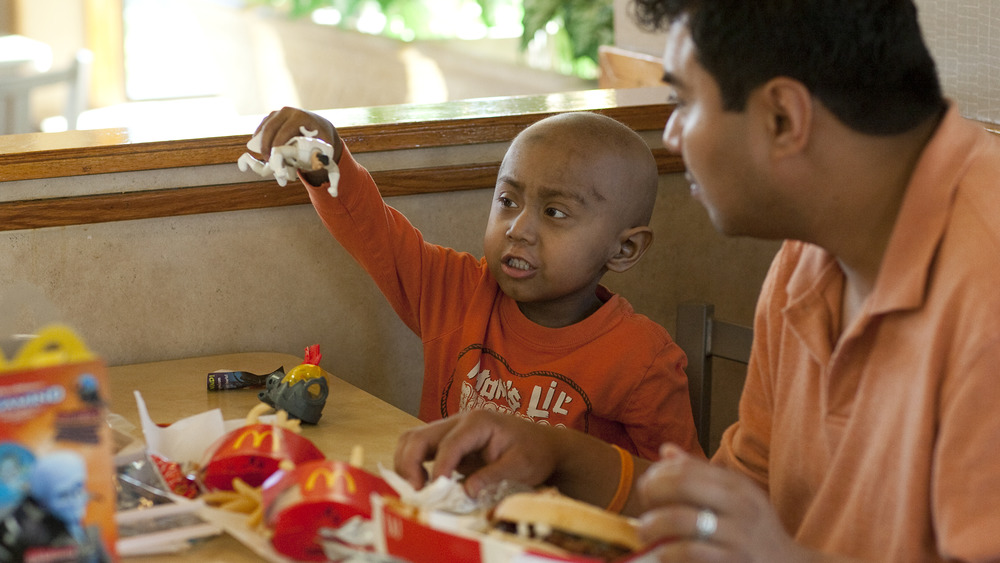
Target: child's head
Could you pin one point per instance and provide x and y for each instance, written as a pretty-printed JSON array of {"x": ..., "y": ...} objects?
[{"x": 573, "y": 200}]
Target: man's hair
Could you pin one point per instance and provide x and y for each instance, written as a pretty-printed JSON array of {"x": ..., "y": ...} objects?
[{"x": 865, "y": 60}]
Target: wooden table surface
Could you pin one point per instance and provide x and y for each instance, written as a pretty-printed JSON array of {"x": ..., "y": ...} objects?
[{"x": 175, "y": 389}]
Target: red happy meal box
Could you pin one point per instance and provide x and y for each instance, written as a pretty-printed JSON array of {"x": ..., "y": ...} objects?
[
  {"x": 320, "y": 494},
  {"x": 252, "y": 453},
  {"x": 57, "y": 496}
]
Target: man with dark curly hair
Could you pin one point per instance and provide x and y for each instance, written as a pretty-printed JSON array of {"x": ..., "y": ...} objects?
[{"x": 866, "y": 429}]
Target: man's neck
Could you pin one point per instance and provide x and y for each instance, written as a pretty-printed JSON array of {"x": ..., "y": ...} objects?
[{"x": 877, "y": 178}]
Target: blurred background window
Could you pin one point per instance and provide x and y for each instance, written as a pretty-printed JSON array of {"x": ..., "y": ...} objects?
[{"x": 184, "y": 62}]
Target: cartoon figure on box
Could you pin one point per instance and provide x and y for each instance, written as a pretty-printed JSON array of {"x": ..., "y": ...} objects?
[
  {"x": 302, "y": 391},
  {"x": 15, "y": 461},
  {"x": 48, "y": 523},
  {"x": 89, "y": 390}
]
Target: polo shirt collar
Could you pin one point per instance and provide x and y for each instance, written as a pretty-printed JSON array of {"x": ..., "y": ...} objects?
[{"x": 923, "y": 216}]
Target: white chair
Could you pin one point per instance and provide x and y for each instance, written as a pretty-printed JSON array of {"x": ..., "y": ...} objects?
[
  {"x": 703, "y": 337},
  {"x": 16, "y": 92}
]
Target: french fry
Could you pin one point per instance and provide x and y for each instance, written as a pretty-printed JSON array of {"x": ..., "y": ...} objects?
[
  {"x": 254, "y": 415},
  {"x": 294, "y": 425},
  {"x": 357, "y": 456},
  {"x": 281, "y": 418},
  {"x": 246, "y": 505},
  {"x": 243, "y": 499},
  {"x": 241, "y": 487},
  {"x": 290, "y": 424},
  {"x": 256, "y": 517},
  {"x": 216, "y": 498}
]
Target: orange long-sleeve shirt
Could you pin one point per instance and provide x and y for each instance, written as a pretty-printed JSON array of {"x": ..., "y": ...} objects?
[
  {"x": 616, "y": 375},
  {"x": 884, "y": 444}
]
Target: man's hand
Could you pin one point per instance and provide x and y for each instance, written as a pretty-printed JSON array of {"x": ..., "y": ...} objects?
[{"x": 702, "y": 512}]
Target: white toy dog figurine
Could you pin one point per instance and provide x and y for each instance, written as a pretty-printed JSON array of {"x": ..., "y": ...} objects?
[{"x": 304, "y": 153}]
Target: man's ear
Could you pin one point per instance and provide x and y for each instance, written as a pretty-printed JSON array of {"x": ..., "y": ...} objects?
[
  {"x": 634, "y": 243},
  {"x": 786, "y": 106}
]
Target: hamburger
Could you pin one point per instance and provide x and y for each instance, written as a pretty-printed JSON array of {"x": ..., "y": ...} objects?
[{"x": 554, "y": 523}]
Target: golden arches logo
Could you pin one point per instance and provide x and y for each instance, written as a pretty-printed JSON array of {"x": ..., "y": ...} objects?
[
  {"x": 393, "y": 526},
  {"x": 256, "y": 437},
  {"x": 330, "y": 478}
]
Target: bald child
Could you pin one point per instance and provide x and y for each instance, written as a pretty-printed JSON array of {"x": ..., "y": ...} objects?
[{"x": 527, "y": 329}]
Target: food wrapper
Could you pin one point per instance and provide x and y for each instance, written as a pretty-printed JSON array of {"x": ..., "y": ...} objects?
[
  {"x": 444, "y": 494},
  {"x": 183, "y": 441},
  {"x": 226, "y": 379}
]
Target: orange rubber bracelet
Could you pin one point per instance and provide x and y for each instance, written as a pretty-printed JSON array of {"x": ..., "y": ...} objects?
[{"x": 624, "y": 481}]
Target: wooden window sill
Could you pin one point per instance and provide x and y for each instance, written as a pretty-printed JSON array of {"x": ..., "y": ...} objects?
[{"x": 33, "y": 158}]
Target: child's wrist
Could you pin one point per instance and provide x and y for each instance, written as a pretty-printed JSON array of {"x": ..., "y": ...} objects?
[
  {"x": 315, "y": 177},
  {"x": 625, "y": 477}
]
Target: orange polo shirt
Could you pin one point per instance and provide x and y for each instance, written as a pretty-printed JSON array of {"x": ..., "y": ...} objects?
[{"x": 884, "y": 445}]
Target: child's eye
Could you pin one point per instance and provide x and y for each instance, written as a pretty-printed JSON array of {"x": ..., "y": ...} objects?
[
  {"x": 506, "y": 202},
  {"x": 553, "y": 212}
]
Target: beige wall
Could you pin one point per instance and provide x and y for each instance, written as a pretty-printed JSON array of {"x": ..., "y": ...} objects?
[
  {"x": 964, "y": 36},
  {"x": 6, "y": 17}
]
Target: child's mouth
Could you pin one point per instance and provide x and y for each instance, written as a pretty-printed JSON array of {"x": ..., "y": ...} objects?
[
  {"x": 517, "y": 268},
  {"x": 518, "y": 264}
]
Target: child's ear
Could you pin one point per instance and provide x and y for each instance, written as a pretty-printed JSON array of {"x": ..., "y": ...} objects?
[{"x": 634, "y": 243}]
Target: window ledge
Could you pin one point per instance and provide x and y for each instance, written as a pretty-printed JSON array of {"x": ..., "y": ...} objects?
[{"x": 48, "y": 160}]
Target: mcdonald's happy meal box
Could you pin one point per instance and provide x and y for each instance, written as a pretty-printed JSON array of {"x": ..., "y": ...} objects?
[
  {"x": 319, "y": 494},
  {"x": 252, "y": 453}
]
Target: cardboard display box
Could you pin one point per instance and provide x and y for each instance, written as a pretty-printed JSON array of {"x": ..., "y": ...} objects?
[{"x": 57, "y": 496}]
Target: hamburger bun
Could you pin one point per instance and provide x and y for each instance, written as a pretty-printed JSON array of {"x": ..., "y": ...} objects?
[{"x": 555, "y": 523}]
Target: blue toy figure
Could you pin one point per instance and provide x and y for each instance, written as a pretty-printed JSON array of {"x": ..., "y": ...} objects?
[{"x": 48, "y": 523}]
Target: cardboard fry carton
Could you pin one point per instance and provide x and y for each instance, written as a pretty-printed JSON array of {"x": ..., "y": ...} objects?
[{"x": 57, "y": 496}]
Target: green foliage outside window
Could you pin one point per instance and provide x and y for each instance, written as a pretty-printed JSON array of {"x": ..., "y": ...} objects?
[
  {"x": 582, "y": 26},
  {"x": 576, "y": 27}
]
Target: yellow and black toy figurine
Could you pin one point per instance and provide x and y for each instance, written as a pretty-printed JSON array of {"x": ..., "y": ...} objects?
[{"x": 301, "y": 392}]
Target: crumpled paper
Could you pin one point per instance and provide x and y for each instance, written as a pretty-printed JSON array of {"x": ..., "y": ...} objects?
[
  {"x": 352, "y": 543},
  {"x": 299, "y": 153},
  {"x": 442, "y": 494},
  {"x": 186, "y": 440}
]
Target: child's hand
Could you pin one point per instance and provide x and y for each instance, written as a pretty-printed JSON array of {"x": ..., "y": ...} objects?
[
  {"x": 280, "y": 126},
  {"x": 291, "y": 140},
  {"x": 485, "y": 446}
]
